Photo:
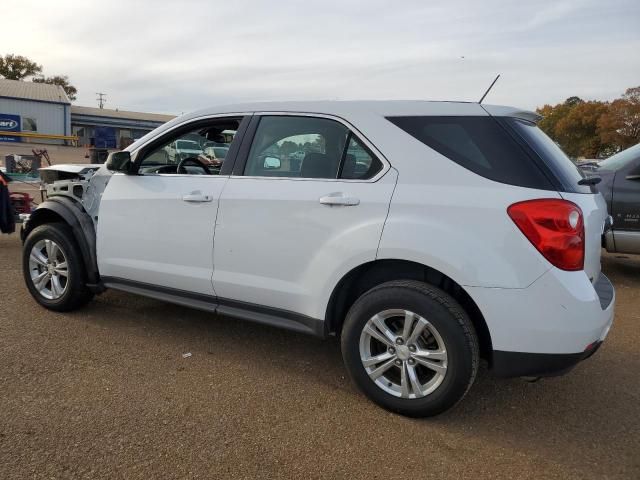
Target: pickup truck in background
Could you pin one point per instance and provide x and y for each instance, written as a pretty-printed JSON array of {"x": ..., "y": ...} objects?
[{"x": 620, "y": 186}]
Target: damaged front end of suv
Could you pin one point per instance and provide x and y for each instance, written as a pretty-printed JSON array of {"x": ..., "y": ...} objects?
[{"x": 73, "y": 193}]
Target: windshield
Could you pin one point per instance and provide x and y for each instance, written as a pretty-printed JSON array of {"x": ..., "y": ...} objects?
[{"x": 621, "y": 159}]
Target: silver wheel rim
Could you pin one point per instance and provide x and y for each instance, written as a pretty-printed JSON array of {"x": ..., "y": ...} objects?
[
  {"x": 403, "y": 353},
  {"x": 48, "y": 269}
]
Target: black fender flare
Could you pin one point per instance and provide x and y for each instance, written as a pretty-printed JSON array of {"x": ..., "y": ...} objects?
[{"x": 81, "y": 225}]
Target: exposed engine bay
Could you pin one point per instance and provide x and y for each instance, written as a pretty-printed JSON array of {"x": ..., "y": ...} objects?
[{"x": 82, "y": 183}]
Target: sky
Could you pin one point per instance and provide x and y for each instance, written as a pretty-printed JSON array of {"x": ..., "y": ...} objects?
[{"x": 174, "y": 57}]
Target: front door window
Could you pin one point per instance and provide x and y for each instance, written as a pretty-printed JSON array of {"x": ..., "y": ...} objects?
[{"x": 199, "y": 151}]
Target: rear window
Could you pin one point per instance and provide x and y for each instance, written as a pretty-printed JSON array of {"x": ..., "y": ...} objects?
[
  {"x": 552, "y": 155},
  {"x": 479, "y": 144}
]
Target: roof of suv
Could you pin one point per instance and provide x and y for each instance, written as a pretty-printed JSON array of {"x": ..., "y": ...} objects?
[
  {"x": 355, "y": 108},
  {"x": 379, "y": 107}
]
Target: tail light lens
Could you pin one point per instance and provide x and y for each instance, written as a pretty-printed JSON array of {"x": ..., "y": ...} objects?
[{"x": 555, "y": 227}]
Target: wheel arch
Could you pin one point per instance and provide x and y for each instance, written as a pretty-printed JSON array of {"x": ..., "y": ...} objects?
[
  {"x": 65, "y": 210},
  {"x": 368, "y": 275}
]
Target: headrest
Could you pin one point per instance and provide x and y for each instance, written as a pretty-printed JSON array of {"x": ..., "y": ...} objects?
[{"x": 317, "y": 165}]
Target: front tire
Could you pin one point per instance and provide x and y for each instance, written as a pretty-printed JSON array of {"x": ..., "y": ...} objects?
[
  {"x": 410, "y": 347},
  {"x": 53, "y": 268}
]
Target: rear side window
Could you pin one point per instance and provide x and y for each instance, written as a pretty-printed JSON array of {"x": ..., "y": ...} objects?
[
  {"x": 479, "y": 144},
  {"x": 562, "y": 167},
  {"x": 359, "y": 163}
]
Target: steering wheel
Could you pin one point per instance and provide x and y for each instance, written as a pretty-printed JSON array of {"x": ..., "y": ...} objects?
[{"x": 196, "y": 162}]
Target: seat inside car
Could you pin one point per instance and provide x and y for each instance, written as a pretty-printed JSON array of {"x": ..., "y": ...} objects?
[
  {"x": 318, "y": 165},
  {"x": 349, "y": 168}
]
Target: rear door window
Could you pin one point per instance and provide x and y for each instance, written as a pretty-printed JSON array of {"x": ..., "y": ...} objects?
[
  {"x": 308, "y": 147},
  {"x": 479, "y": 144}
]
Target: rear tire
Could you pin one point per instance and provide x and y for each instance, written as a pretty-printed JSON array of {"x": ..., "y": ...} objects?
[
  {"x": 418, "y": 371},
  {"x": 53, "y": 268}
]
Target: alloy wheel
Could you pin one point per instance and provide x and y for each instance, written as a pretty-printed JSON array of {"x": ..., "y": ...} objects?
[
  {"x": 49, "y": 269},
  {"x": 403, "y": 353}
]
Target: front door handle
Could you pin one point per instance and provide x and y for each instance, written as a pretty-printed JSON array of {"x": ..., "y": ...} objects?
[
  {"x": 197, "y": 198},
  {"x": 339, "y": 199}
]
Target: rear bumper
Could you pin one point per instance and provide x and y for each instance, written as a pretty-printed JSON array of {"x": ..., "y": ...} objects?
[
  {"x": 518, "y": 364},
  {"x": 549, "y": 327}
]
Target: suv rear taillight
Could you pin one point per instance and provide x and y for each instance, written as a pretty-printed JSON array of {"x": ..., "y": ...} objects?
[{"x": 555, "y": 227}]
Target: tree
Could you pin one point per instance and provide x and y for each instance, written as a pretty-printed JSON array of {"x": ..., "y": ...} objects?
[
  {"x": 551, "y": 115},
  {"x": 61, "y": 80},
  {"x": 593, "y": 129},
  {"x": 288, "y": 147},
  {"x": 577, "y": 131},
  {"x": 573, "y": 101},
  {"x": 573, "y": 124},
  {"x": 620, "y": 126},
  {"x": 17, "y": 67}
]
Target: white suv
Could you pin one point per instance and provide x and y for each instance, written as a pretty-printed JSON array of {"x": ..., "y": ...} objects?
[{"x": 426, "y": 235}]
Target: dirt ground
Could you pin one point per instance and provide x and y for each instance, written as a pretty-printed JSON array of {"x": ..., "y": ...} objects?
[{"x": 105, "y": 392}]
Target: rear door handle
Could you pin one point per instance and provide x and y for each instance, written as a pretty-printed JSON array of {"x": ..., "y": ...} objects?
[
  {"x": 339, "y": 199},
  {"x": 197, "y": 198}
]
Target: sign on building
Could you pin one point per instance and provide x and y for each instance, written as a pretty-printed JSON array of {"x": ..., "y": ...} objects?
[
  {"x": 105, "y": 137},
  {"x": 9, "y": 123}
]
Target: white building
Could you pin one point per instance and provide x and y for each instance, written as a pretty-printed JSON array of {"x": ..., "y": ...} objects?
[
  {"x": 33, "y": 112},
  {"x": 27, "y": 107}
]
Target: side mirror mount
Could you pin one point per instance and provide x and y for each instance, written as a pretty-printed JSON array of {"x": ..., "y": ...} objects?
[
  {"x": 271, "y": 163},
  {"x": 119, "y": 162}
]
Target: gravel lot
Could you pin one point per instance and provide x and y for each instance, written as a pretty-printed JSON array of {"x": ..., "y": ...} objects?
[{"x": 106, "y": 393}]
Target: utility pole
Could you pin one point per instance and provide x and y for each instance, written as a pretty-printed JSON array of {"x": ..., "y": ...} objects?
[{"x": 101, "y": 99}]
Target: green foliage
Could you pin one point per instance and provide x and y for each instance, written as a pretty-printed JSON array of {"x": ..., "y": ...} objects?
[
  {"x": 593, "y": 129},
  {"x": 288, "y": 147},
  {"x": 61, "y": 80},
  {"x": 17, "y": 67}
]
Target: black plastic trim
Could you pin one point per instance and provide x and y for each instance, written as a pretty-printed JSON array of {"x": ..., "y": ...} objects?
[
  {"x": 232, "y": 308},
  {"x": 604, "y": 289},
  {"x": 245, "y": 146},
  {"x": 521, "y": 364},
  {"x": 343, "y": 157},
  {"x": 234, "y": 149},
  {"x": 272, "y": 316},
  {"x": 81, "y": 226}
]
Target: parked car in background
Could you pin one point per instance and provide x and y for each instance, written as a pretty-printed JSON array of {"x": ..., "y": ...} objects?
[
  {"x": 425, "y": 235},
  {"x": 620, "y": 186},
  {"x": 181, "y": 149}
]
